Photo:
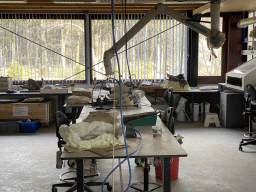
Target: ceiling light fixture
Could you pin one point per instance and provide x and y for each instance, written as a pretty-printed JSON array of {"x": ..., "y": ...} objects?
[
  {"x": 188, "y": 1},
  {"x": 14, "y": 1}
]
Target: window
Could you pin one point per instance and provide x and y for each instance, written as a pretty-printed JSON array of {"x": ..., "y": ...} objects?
[
  {"x": 48, "y": 46},
  {"x": 52, "y": 47},
  {"x": 159, "y": 48},
  {"x": 208, "y": 65}
]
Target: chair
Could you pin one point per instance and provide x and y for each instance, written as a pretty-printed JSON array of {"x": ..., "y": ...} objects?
[
  {"x": 158, "y": 93},
  {"x": 168, "y": 97},
  {"x": 169, "y": 115},
  {"x": 249, "y": 95},
  {"x": 61, "y": 119},
  {"x": 168, "y": 118}
]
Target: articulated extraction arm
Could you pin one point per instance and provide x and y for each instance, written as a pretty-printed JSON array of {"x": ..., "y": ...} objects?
[{"x": 214, "y": 36}]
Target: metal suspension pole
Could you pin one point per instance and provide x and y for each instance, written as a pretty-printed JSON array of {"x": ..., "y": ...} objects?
[{"x": 87, "y": 49}]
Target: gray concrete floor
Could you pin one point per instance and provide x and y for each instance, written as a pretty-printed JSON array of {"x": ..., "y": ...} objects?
[{"x": 214, "y": 163}]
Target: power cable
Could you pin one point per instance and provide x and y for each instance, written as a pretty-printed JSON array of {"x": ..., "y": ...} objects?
[
  {"x": 120, "y": 91},
  {"x": 127, "y": 158}
]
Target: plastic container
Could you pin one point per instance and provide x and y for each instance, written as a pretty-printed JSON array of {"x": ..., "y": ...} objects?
[
  {"x": 181, "y": 110},
  {"x": 181, "y": 116},
  {"x": 207, "y": 109},
  {"x": 157, "y": 131},
  {"x": 9, "y": 126},
  {"x": 196, "y": 111},
  {"x": 174, "y": 166},
  {"x": 29, "y": 127}
]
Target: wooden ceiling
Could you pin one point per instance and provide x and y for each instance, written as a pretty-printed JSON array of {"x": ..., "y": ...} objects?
[
  {"x": 104, "y": 6},
  {"x": 46, "y": 6},
  {"x": 230, "y": 6}
]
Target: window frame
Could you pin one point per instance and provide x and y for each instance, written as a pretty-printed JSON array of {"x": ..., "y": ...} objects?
[{"x": 221, "y": 78}]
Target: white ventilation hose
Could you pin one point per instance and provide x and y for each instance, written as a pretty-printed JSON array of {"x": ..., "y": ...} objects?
[
  {"x": 215, "y": 14},
  {"x": 243, "y": 23},
  {"x": 215, "y": 38}
]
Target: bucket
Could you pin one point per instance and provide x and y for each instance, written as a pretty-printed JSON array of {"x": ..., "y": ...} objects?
[{"x": 174, "y": 165}]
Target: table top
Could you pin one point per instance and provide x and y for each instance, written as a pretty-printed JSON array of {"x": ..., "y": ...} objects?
[
  {"x": 197, "y": 91},
  {"x": 164, "y": 146},
  {"x": 21, "y": 92},
  {"x": 202, "y": 89},
  {"x": 145, "y": 108}
]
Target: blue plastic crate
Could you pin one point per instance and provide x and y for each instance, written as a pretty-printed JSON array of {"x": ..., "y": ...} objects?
[{"x": 29, "y": 127}]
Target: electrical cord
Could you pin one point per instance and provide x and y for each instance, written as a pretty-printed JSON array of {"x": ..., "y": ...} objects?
[
  {"x": 127, "y": 158},
  {"x": 121, "y": 109},
  {"x": 120, "y": 91}
]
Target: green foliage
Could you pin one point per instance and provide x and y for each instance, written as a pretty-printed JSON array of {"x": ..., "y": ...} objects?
[
  {"x": 15, "y": 70},
  {"x": 77, "y": 69}
]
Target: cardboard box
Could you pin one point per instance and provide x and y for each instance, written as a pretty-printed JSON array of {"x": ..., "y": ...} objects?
[
  {"x": 82, "y": 92},
  {"x": 5, "y": 83},
  {"x": 44, "y": 111},
  {"x": 57, "y": 90}
]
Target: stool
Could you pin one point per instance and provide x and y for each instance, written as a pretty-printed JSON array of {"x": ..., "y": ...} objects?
[{"x": 211, "y": 118}]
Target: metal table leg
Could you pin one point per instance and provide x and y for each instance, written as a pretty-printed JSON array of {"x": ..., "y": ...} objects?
[
  {"x": 203, "y": 106},
  {"x": 80, "y": 175},
  {"x": 146, "y": 181},
  {"x": 74, "y": 111},
  {"x": 166, "y": 175},
  {"x": 192, "y": 112},
  {"x": 60, "y": 103},
  {"x": 146, "y": 169}
]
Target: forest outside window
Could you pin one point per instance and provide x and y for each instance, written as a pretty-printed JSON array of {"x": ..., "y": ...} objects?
[
  {"x": 158, "y": 49},
  {"x": 52, "y": 47},
  {"x": 48, "y": 46},
  {"x": 208, "y": 64}
]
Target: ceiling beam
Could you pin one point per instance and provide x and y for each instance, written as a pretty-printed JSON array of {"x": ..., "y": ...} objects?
[
  {"x": 90, "y": 7},
  {"x": 206, "y": 8}
]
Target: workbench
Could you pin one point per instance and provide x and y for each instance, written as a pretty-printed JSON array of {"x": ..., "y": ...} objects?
[
  {"x": 191, "y": 94},
  {"x": 22, "y": 94},
  {"x": 165, "y": 146}
]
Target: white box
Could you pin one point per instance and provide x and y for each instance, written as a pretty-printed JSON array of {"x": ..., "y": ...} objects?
[
  {"x": 207, "y": 108},
  {"x": 242, "y": 75},
  {"x": 5, "y": 83},
  {"x": 181, "y": 110},
  {"x": 181, "y": 105},
  {"x": 52, "y": 91},
  {"x": 195, "y": 112}
]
